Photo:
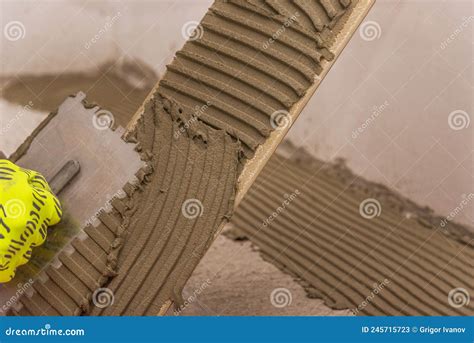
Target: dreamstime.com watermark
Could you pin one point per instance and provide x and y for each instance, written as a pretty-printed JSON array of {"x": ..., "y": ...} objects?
[
  {"x": 458, "y": 297},
  {"x": 377, "y": 288},
  {"x": 288, "y": 22},
  {"x": 13, "y": 208},
  {"x": 289, "y": 198},
  {"x": 370, "y": 30},
  {"x": 376, "y": 112},
  {"x": 11, "y": 123},
  {"x": 46, "y": 331},
  {"x": 103, "y": 120},
  {"x": 280, "y": 120},
  {"x": 103, "y": 297},
  {"x": 457, "y": 31},
  {"x": 14, "y": 30},
  {"x": 109, "y": 22},
  {"x": 459, "y": 120},
  {"x": 370, "y": 208},
  {"x": 192, "y": 208},
  {"x": 281, "y": 297},
  {"x": 198, "y": 112},
  {"x": 120, "y": 194},
  {"x": 458, "y": 209},
  {"x": 21, "y": 289},
  {"x": 192, "y": 30},
  {"x": 193, "y": 297}
]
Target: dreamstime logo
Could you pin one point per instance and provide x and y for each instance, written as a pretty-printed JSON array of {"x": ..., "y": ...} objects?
[
  {"x": 459, "y": 120},
  {"x": 280, "y": 120},
  {"x": 370, "y": 208},
  {"x": 192, "y": 30},
  {"x": 103, "y": 120},
  {"x": 198, "y": 112},
  {"x": 281, "y": 297},
  {"x": 288, "y": 22},
  {"x": 109, "y": 22},
  {"x": 15, "y": 208},
  {"x": 192, "y": 208},
  {"x": 11, "y": 123},
  {"x": 467, "y": 198},
  {"x": 370, "y": 30},
  {"x": 47, "y": 330},
  {"x": 464, "y": 24},
  {"x": 377, "y": 288},
  {"x": 21, "y": 289},
  {"x": 103, "y": 297},
  {"x": 289, "y": 198},
  {"x": 193, "y": 297},
  {"x": 120, "y": 194},
  {"x": 14, "y": 30},
  {"x": 458, "y": 297},
  {"x": 376, "y": 111}
]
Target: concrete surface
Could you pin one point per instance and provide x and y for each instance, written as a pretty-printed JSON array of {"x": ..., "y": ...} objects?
[
  {"x": 400, "y": 80},
  {"x": 233, "y": 279}
]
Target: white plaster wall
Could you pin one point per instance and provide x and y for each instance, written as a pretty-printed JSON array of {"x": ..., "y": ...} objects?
[
  {"x": 410, "y": 73},
  {"x": 400, "y": 89},
  {"x": 76, "y": 35}
]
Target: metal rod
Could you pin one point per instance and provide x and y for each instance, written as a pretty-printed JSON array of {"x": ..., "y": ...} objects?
[{"x": 64, "y": 176}]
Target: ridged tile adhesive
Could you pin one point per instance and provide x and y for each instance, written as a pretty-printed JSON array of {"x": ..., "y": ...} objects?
[
  {"x": 211, "y": 110},
  {"x": 351, "y": 246}
]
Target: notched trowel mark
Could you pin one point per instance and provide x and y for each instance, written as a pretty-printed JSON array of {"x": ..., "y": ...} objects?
[
  {"x": 81, "y": 132},
  {"x": 192, "y": 164},
  {"x": 202, "y": 164},
  {"x": 382, "y": 265},
  {"x": 81, "y": 252}
]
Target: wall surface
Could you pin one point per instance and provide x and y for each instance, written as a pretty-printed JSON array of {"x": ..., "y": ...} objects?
[
  {"x": 398, "y": 102},
  {"x": 76, "y": 35},
  {"x": 396, "y": 105}
]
